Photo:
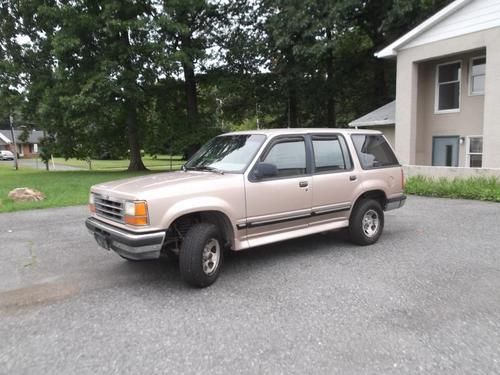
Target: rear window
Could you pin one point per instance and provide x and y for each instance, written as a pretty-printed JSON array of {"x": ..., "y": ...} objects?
[
  {"x": 374, "y": 151},
  {"x": 330, "y": 154}
]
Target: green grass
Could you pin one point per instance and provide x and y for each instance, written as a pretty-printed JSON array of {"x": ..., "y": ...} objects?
[
  {"x": 161, "y": 162},
  {"x": 67, "y": 188},
  {"x": 60, "y": 188},
  {"x": 479, "y": 188}
]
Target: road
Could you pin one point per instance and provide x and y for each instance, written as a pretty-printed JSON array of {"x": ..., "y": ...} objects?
[{"x": 424, "y": 299}]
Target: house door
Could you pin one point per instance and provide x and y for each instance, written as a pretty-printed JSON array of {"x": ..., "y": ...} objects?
[{"x": 445, "y": 151}]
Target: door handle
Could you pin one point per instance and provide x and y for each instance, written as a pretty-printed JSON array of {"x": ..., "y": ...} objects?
[
  {"x": 353, "y": 178},
  {"x": 303, "y": 184}
]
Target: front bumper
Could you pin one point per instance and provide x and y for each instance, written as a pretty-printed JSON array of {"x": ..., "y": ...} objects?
[
  {"x": 137, "y": 246},
  {"x": 394, "y": 203}
]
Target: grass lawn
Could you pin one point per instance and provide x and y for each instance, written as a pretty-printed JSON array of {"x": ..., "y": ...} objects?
[
  {"x": 479, "y": 188},
  {"x": 60, "y": 188},
  {"x": 161, "y": 162}
]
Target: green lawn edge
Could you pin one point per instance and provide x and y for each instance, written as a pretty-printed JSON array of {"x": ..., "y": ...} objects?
[
  {"x": 474, "y": 188},
  {"x": 61, "y": 188},
  {"x": 70, "y": 188}
]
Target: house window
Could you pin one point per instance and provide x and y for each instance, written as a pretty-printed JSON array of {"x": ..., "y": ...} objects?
[
  {"x": 475, "y": 152},
  {"x": 448, "y": 87},
  {"x": 477, "y": 75}
]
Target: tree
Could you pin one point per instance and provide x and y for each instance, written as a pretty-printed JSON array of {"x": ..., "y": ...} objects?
[
  {"x": 104, "y": 55},
  {"x": 186, "y": 26},
  {"x": 383, "y": 21},
  {"x": 10, "y": 53}
]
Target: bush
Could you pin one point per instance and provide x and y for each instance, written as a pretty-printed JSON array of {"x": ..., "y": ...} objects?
[{"x": 479, "y": 188}]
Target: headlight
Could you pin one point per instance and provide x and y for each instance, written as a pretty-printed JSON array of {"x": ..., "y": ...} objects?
[
  {"x": 129, "y": 208},
  {"x": 136, "y": 213}
]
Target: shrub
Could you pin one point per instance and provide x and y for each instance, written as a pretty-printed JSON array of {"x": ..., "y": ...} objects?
[{"x": 479, "y": 188}]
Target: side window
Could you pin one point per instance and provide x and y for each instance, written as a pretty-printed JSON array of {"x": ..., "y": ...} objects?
[
  {"x": 373, "y": 151},
  {"x": 289, "y": 157},
  {"x": 328, "y": 155}
]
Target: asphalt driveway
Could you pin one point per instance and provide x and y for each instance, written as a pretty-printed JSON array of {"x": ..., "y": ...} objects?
[{"x": 424, "y": 299}]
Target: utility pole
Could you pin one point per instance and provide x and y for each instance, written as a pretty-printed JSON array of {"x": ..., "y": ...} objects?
[{"x": 11, "y": 120}]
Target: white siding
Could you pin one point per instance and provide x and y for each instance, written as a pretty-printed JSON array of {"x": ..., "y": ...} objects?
[{"x": 476, "y": 16}]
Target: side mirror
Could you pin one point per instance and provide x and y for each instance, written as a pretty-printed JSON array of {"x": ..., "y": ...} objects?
[{"x": 265, "y": 170}]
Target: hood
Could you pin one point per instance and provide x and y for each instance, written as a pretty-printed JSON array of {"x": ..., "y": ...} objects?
[{"x": 137, "y": 187}]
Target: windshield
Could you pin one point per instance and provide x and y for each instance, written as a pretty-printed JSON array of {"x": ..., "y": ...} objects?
[{"x": 227, "y": 153}]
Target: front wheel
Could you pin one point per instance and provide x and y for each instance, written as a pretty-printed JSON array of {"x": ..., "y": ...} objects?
[
  {"x": 366, "y": 222},
  {"x": 201, "y": 255}
]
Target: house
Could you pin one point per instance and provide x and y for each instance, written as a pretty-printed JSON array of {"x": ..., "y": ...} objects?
[
  {"x": 28, "y": 149},
  {"x": 447, "y": 109}
]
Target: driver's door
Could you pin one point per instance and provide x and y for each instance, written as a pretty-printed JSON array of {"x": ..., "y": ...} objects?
[{"x": 281, "y": 203}]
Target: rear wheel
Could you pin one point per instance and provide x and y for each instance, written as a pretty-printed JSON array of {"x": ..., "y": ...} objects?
[
  {"x": 367, "y": 222},
  {"x": 201, "y": 255}
]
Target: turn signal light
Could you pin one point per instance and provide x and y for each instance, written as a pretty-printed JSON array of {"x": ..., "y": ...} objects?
[
  {"x": 136, "y": 213},
  {"x": 91, "y": 203}
]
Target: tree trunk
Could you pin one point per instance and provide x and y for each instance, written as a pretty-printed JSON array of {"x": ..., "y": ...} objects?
[
  {"x": 191, "y": 94},
  {"x": 380, "y": 88},
  {"x": 331, "y": 116},
  {"x": 136, "y": 163},
  {"x": 130, "y": 76},
  {"x": 292, "y": 107},
  {"x": 189, "y": 81}
]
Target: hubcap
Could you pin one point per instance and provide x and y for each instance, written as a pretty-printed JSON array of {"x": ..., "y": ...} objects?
[
  {"x": 211, "y": 256},
  {"x": 371, "y": 223}
]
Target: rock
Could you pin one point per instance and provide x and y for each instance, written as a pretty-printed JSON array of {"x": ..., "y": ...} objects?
[{"x": 26, "y": 194}]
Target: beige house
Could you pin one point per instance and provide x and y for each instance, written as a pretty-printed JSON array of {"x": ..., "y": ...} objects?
[{"x": 447, "y": 108}]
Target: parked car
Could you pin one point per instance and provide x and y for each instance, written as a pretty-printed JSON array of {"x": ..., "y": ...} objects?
[
  {"x": 6, "y": 155},
  {"x": 247, "y": 189}
]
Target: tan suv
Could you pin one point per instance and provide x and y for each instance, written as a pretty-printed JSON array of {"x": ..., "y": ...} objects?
[{"x": 247, "y": 189}]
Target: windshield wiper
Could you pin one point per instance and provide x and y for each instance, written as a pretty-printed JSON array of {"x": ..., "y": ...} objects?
[{"x": 205, "y": 168}]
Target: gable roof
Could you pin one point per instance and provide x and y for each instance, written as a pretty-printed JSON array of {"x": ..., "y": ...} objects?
[
  {"x": 385, "y": 115},
  {"x": 4, "y": 140},
  {"x": 35, "y": 136},
  {"x": 391, "y": 49}
]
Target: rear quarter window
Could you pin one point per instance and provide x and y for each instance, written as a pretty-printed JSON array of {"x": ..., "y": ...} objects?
[{"x": 374, "y": 151}]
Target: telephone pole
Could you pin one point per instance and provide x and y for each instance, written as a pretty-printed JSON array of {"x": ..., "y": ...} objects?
[{"x": 11, "y": 120}]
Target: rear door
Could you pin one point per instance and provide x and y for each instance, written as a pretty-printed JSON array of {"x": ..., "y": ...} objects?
[
  {"x": 334, "y": 180},
  {"x": 281, "y": 203}
]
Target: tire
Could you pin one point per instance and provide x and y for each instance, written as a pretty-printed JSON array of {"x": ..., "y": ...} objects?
[
  {"x": 201, "y": 255},
  {"x": 366, "y": 223}
]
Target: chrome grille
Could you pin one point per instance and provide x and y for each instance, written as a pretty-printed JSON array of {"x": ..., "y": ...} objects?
[{"x": 109, "y": 208}]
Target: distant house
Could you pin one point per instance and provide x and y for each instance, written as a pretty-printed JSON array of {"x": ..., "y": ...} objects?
[
  {"x": 447, "y": 108},
  {"x": 28, "y": 149},
  {"x": 382, "y": 119}
]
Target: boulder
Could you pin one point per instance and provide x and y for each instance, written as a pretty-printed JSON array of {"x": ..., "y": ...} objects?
[{"x": 26, "y": 194}]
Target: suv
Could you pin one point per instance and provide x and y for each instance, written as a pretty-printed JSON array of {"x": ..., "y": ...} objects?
[
  {"x": 6, "y": 155},
  {"x": 246, "y": 189}
]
